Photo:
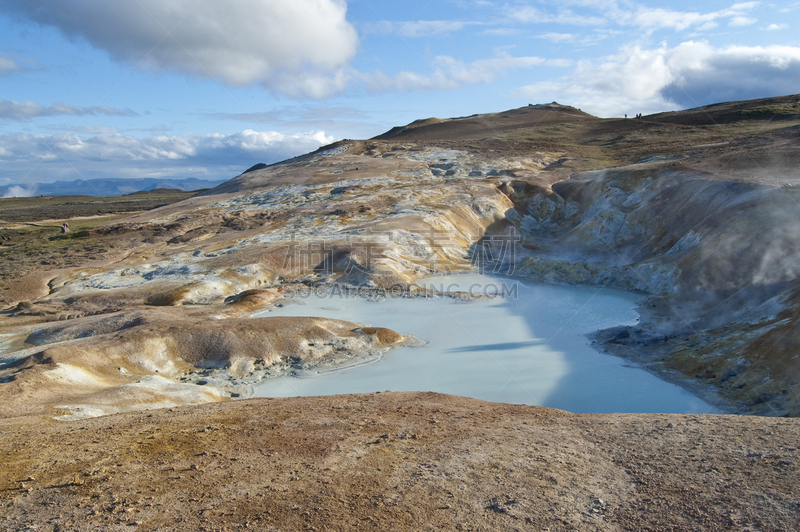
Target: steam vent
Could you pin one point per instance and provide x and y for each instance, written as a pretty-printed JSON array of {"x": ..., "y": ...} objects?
[{"x": 136, "y": 345}]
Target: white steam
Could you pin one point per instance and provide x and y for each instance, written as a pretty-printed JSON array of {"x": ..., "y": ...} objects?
[{"x": 17, "y": 191}]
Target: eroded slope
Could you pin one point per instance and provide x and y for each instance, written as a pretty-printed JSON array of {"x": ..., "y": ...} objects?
[{"x": 681, "y": 207}]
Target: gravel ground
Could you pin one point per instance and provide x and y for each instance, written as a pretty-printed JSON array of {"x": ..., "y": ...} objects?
[{"x": 398, "y": 461}]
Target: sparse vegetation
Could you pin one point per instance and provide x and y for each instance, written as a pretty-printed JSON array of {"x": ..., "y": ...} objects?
[
  {"x": 65, "y": 207},
  {"x": 25, "y": 248},
  {"x": 692, "y": 209}
]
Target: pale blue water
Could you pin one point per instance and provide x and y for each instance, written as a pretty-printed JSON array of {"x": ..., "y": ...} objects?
[{"x": 528, "y": 347}]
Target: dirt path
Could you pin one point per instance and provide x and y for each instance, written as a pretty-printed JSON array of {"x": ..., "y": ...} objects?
[{"x": 398, "y": 461}]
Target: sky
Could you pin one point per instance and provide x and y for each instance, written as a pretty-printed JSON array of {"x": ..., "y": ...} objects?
[{"x": 98, "y": 89}]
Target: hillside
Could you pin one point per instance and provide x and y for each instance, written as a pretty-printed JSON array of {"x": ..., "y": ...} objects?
[
  {"x": 400, "y": 461},
  {"x": 696, "y": 211}
]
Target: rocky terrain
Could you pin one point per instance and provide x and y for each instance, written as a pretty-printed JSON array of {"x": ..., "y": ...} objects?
[
  {"x": 695, "y": 210},
  {"x": 31, "y": 237},
  {"x": 399, "y": 461}
]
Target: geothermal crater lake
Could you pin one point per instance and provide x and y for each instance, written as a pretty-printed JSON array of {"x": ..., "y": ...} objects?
[{"x": 527, "y": 345}]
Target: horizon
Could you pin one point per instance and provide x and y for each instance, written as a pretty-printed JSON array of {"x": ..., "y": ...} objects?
[{"x": 95, "y": 90}]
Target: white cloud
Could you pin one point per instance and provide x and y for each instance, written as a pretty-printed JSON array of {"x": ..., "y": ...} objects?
[
  {"x": 92, "y": 130},
  {"x": 558, "y": 37},
  {"x": 214, "y": 155},
  {"x": 417, "y": 28},
  {"x": 450, "y": 73},
  {"x": 119, "y": 147},
  {"x": 10, "y": 64},
  {"x": 628, "y": 13},
  {"x": 705, "y": 75},
  {"x": 791, "y": 7},
  {"x": 775, "y": 27},
  {"x": 301, "y": 48},
  {"x": 741, "y": 20},
  {"x": 689, "y": 75},
  {"x": 12, "y": 110},
  {"x": 657, "y": 18},
  {"x": 530, "y": 14},
  {"x": 7, "y": 64},
  {"x": 501, "y": 32}
]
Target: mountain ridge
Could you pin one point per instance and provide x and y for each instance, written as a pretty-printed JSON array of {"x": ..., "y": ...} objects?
[
  {"x": 696, "y": 212},
  {"x": 106, "y": 187}
]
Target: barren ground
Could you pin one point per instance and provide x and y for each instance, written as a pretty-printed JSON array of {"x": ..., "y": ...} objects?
[
  {"x": 399, "y": 461},
  {"x": 28, "y": 251},
  {"x": 695, "y": 210}
]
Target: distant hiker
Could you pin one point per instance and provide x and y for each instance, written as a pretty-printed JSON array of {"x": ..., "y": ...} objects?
[{"x": 626, "y": 115}]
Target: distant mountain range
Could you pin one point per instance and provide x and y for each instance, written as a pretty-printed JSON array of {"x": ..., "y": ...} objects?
[{"x": 104, "y": 187}]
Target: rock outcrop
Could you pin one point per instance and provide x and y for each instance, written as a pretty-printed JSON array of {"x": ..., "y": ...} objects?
[{"x": 696, "y": 210}]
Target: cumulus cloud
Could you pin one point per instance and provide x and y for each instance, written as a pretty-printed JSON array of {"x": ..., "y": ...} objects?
[
  {"x": 120, "y": 147},
  {"x": 213, "y": 155},
  {"x": 301, "y": 48},
  {"x": 690, "y": 75},
  {"x": 702, "y": 74},
  {"x": 450, "y": 73},
  {"x": 12, "y": 110}
]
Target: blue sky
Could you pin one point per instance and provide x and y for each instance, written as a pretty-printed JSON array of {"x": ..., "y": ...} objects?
[{"x": 202, "y": 88}]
